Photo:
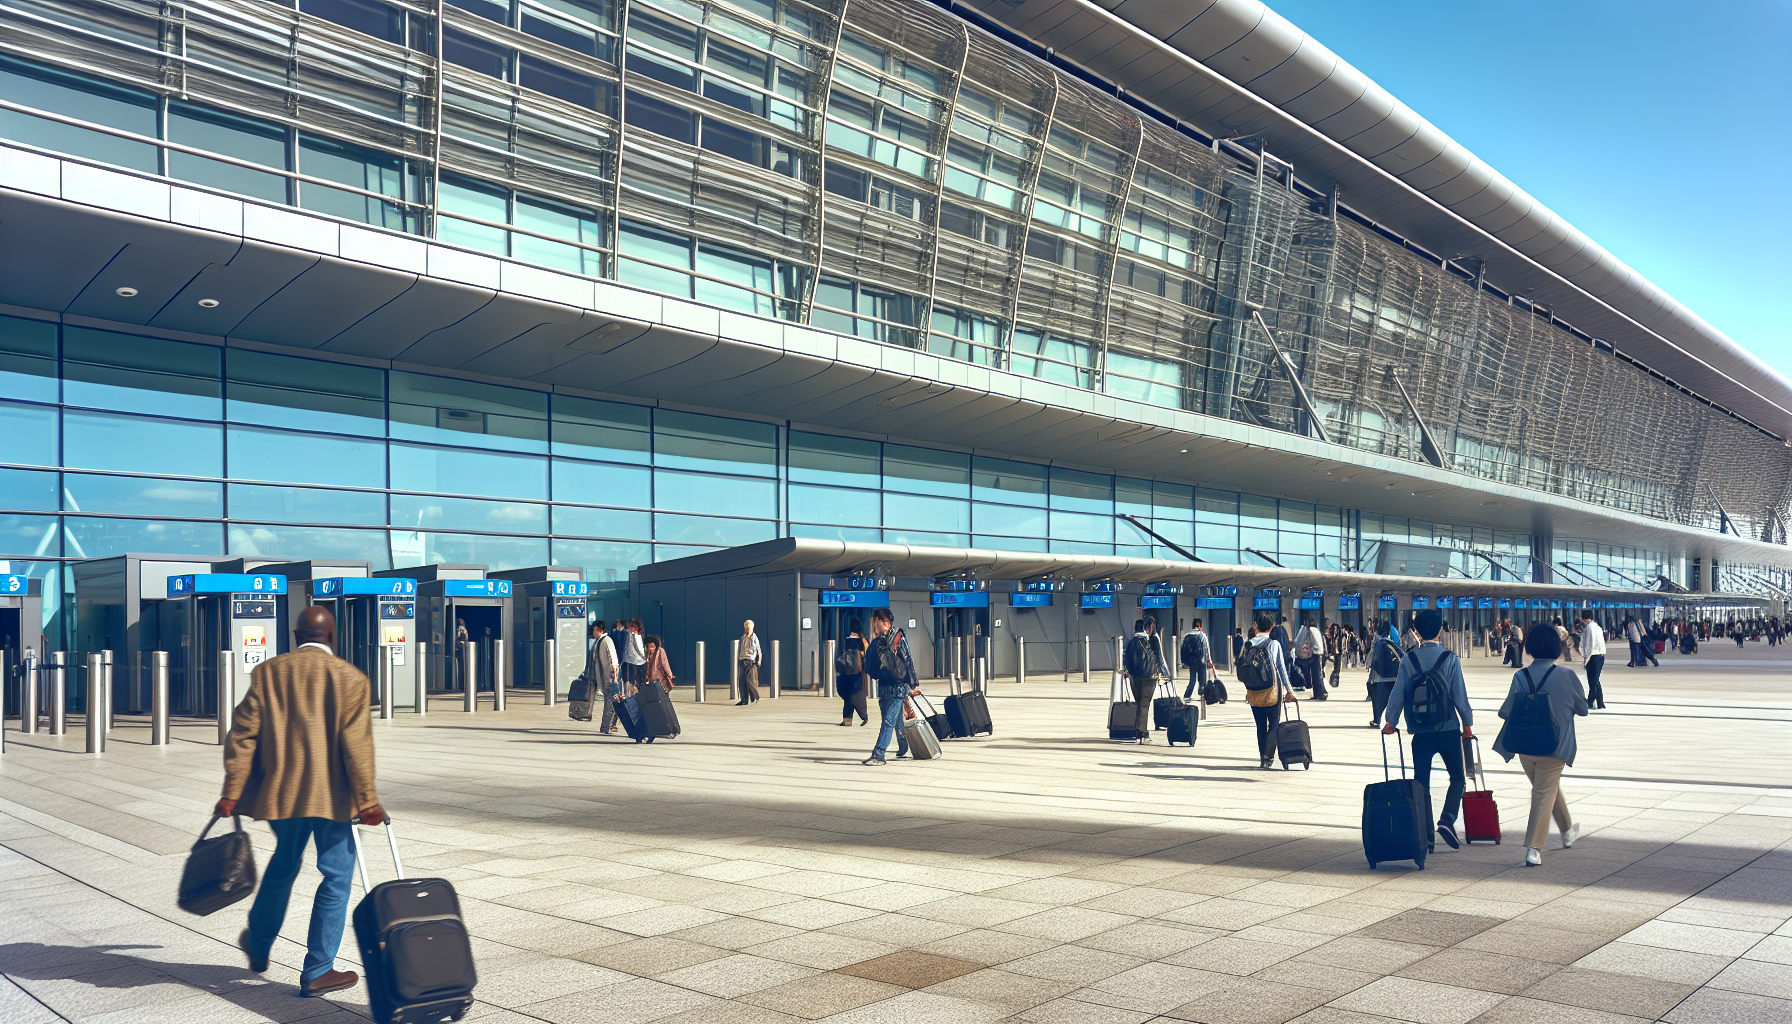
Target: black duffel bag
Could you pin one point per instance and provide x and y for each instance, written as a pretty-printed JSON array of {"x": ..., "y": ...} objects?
[{"x": 219, "y": 871}]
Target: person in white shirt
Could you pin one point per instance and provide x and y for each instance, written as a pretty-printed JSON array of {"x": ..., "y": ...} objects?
[
  {"x": 1592, "y": 645},
  {"x": 1309, "y": 648}
]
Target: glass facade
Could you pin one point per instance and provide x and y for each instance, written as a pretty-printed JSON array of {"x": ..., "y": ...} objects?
[{"x": 888, "y": 171}]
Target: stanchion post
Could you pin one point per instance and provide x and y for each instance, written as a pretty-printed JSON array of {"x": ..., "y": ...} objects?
[
  {"x": 58, "y": 693},
  {"x": 815, "y": 670},
  {"x": 829, "y": 651},
  {"x": 96, "y": 695},
  {"x": 469, "y": 674},
  {"x": 28, "y": 682},
  {"x": 776, "y": 644},
  {"x": 550, "y": 667},
  {"x": 420, "y": 672},
  {"x": 158, "y": 698},
  {"x": 734, "y": 673},
  {"x": 701, "y": 673},
  {"x": 1020, "y": 659},
  {"x": 1086, "y": 667},
  {"x": 500, "y": 670},
  {"x": 386, "y": 673},
  {"x": 106, "y": 690},
  {"x": 226, "y": 693}
]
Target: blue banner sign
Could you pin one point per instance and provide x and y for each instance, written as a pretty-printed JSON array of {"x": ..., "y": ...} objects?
[
  {"x": 951, "y": 599},
  {"x": 1420, "y": 601},
  {"x": 359, "y": 586},
  {"x": 1227, "y": 591},
  {"x": 855, "y": 599},
  {"x": 1386, "y": 602},
  {"x": 1350, "y": 601},
  {"x": 1309, "y": 604},
  {"x": 1213, "y": 602},
  {"x": 1487, "y": 602},
  {"x": 476, "y": 588},
  {"x": 1098, "y": 600},
  {"x": 1157, "y": 601},
  {"x": 1029, "y": 600},
  {"x": 225, "y": 583},
  {"x": 1502, "y": 603},
  {"x": 572, "y": 588},
  {"x": 1266, "y": 604},
  {"x": 13, "y": 583},
  {"x": 1446, "y": 602}
]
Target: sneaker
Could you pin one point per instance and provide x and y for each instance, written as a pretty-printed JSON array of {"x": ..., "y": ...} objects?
[
  {"x": 1374, "y": 724},
  {"x": 334, "y": 981},
  {"x": 1448, "y": 834},
  {"x": 258, "y": 964},
  {"x": 1571, "y": 836},
  {"x": 873, "y": 761},
  {"x": 1533, "y": 857}
]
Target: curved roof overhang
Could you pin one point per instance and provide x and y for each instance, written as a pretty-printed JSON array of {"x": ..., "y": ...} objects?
[{"x": 1234, "y": 68}]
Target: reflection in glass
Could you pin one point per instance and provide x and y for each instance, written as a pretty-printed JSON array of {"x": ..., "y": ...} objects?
[
  {"x": 305, "y": 394},
  {"x": 612, "y": 431},
  {"x": 449, "y": 411},
  {"x": 689, "y": 441},
  {"x": 138, "y": 444},
  {"x": 136, "y": 495},
  {"x": 601, "y": 522},
  {"x": 725, "y": 495},
  {"x": 834, "y": 505},
  {"x": 934, "y": 514},
  {"x": 1014, "y": 483},
  {"x": 296, "y": 543},
  {"x": 712, "y": 530},
  {"x": 101, "y": 538},
  {"x": 307, "y": 505},
  {"x": 452, "y": 470},
  {"x": 603, "y": 561},
  {"x": 32, "y": 536},
  {"x": 1008, "y": 520},
  {"x": 597, "y": 483},
  {"x": 28, "y": 490},
  {"x": 27, "y": 358},
  {"x": 131, "y": 373},
  {"x": 306, "y": 458},
  {"x": 419, "y": 548},
  {"x": 825, "y": 459},
  {"x": 926, "y": 471},
  {"x": 425, "y": 512}
]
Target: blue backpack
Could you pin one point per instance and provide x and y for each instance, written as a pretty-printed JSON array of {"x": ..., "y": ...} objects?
[{"x": 1530, "y": 727}]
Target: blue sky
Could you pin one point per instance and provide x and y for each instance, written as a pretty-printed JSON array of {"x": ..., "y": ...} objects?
[{"x": 1663, "y": 130}]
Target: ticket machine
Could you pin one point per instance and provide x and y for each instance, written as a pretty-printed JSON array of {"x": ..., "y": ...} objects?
[
  {"x": 208, "y": 613},
  {"x": 457, "y": 603},
  {"x": 21, "y": 627},
  {"x": 549, "y": 604},
  {"x": 376, "y": 623}
]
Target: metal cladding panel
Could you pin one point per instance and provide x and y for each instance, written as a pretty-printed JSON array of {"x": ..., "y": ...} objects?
[
  {"x": 50, "y": 252},
  {"x": 254, "y": 274},
  {"x": 156, "y": 274},
  {"x": 330, "y": 296},
  {"x": 1398, "y": 128},
  {"x": 503, "y": 318},
  {"x": 539, "y": 351},
  {"x": 1216, "y": 28},
  {"x": 1340, "y": 89},
  {"x": 1374, "y": 106},
  {"x": 1440, "y": 170},
  {"x": 1161, "y": 18},
  {"x": 1262, "y": 50},
  {"x": 1309, "y": 66},
  {"x": 428, "y": 305}
]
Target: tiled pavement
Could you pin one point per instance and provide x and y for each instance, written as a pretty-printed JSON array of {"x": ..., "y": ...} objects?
[{"x": 752, "y": 871}]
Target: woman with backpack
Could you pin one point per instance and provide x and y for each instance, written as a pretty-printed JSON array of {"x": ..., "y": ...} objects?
[
  {"x": 1263, "y": 669},
  {"x": 1539, "y": 715},
  {"x": 849, "y": 673}
]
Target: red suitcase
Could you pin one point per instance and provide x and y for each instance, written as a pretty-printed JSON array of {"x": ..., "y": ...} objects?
[{"x": 1480, "y": 815}]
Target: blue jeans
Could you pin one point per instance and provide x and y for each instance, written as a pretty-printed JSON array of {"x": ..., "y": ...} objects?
[
  {"x": 890, "y": 710},
  {"x": 329, "y": 907},
  {"x": 1447, "y": 745}
]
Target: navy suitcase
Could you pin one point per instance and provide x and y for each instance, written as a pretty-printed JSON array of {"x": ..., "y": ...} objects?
[
  {"x": 1122, "y": 717},
  {"x": 1181, "y": 725},
  {"x": 939, "y": 723},
  {"x": 628, "y": 712},
  {"x": 659, "y": 719},
  {"x": 1294, "y": 741},
  {"x": 415, "y": 952},
  {"x": 1396, "y": 815},
  {"x": 1164, "y": 705},
  {"x": 968, "y": 714}
]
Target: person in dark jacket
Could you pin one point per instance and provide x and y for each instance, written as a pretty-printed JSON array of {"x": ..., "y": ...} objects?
[
  {"x": 888, "y": 667},
  {"x": 1196, "y": 656},
  {"x": 1144, "y": 687},
  {"x": 851, "y": 685},
  {"x": 1566, "y": 700},
  {"x": 1441, "y": 735}
]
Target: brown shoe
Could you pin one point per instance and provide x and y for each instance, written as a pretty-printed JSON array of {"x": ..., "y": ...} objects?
[{"x": 334, "y": 981}]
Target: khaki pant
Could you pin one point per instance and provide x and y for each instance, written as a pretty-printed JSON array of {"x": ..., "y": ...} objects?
[{"x": 1545, "y": 774}]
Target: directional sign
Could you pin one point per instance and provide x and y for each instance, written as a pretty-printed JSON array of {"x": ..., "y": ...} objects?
[
  {"x": 14, "y": 584},
  {"x": 476, "y": 588},
  {"x": 363, "y": 586},
  {"x": 225, "y": 583},
  {"x": 572, "y": 588}
]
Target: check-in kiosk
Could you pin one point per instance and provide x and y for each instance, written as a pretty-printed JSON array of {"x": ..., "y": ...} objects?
[
  {"x": 300, "y": 580},
  {"x": 550, "y": 604},
  {"x": 960, "y": 623},
  {"x": 203, "y": 614},
  {"x": 119, "y": 602},
  {"x": 1217, "y": 608},
  {"x": 457, "y": 604},
  {"x": 21, "y": 628},
  {"x": 376, "y": 622}
]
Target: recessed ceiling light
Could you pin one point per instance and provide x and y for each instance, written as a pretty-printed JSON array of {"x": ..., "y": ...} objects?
[
  {"x": 1185, "y": 451},
  {"x": 208, "y": 303},
  {"x": 127, "y": 292}
]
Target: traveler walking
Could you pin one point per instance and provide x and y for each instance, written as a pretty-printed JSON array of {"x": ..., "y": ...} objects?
[
  {"x": 300, "y": 757},
  {"x": 1309, "y": 647},
  {"x": 601, "y": 670},
  {"x": 1592, "y": 644},
  {"x": 750, "y": 658},
  {"x": 1196, "y": 656},
  {"x": 1385, "y": 655},
  {"x": 849, "y": 673},
  {"x": 1263, "y": 669},
  {"x": 1280, "y": 633},
  {"x": 1539, "y": 715},
  {"x": 1143, "y": 662},
  {"x": 657, "y": 666},
  {"x": 635, "y": 654},
  {"x": 1431, "y": 692},
  {"x": 1237, "y": 646},
  {"x": 889, "y": 668}
]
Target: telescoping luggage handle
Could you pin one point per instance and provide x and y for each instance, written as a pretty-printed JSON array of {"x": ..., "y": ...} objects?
[
  {"x": 1480, "y": 765},
  {"x": 918, "y": 699},
  {"x": 354, "y": 829},
  {"x": 1401, "y": 747}
]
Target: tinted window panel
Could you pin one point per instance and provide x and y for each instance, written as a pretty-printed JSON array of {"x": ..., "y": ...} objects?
[
  {"x": 601, "y": 430},
  {"x": 1009, "y": 520},
  {"x": 603, "y": 561},
  {"x": 834, "y": 505},
  {"x": 926, "y": 471},
  {"x": 240, "y": 137},
  {"x": 306, "y": 505},
  {"x": 30, "y": 432},
  {"x": 27, "y": 359},
  {"x": 136, "y": 444},
  {"x": 437, "y": 513},
  {"x": 601, "y": 522},
  {"x": 642, "y": 111},
  {"x": 449, "y": 411},
  {"x": 300, "y": 542},
  {"x": 726, "y": 495},
  {"x": 101, "y": 538},
  {"x": 691, "y": 441},
  {"x": 132, "y": 495},
  {"x": 416, "y": 468},
  {"x": 913, "y": 512},
  {"x": 595, "y": 482},
  {"x": 306, "y": 458},
  {"x": 131, "y": 373},
  {"x": 357, "y": 168},
  {"x": 368, "y": 17},
  {"x": 283, "y": 391},
  {"x": 496, "y": 552},
  {"x": 475, "y": 54},
  {"x": 561, "y": 83},
  {"x": 86, "y": 100},
  {"x": 822, "y": 459},
  {"x": 1014, "y": 483},
  {"x": 36, "y": 536},
  {"x": 28, "y": 490},
  {"x": 707, "y": 530}
]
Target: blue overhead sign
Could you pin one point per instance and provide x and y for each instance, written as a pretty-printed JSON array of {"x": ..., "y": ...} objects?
[
  {"x": 1029, "y": 600},
  {"x": 1446, "y": 602},
  {"x": 12, "y": 583},
  {"x": 1487, "y": 602},
  {"x": 1420, "y": 601},
  {"x": 1310, "y": 604},
  {"x": 572, "y": 588},
  {"x": 225, "y": 583},
  {"x": 364, "y": 586},
  {"x": 1098, "y": 600},
  {"x": 1386, "y": 602},
  {"x": 476, "y": 588},
  {"x": 855, "y": 599},
  {"x": 960, "y": 599},
  {"x": 1157, "y": 601},
  {"x": 1351, "y": 600},
  {"x": 1213, "y": 602}
]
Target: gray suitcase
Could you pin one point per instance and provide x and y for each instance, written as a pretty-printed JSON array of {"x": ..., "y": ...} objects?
[{"x": 923, "y": 745}]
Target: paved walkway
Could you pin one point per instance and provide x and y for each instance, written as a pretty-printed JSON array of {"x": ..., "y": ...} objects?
[{"x": 753, "y": 871}]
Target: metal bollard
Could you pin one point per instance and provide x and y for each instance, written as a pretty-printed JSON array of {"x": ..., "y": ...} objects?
[
  {"x": 734, "y": 673},
  {"x": 158, "y": 698},
  {"x": 28, "y": 684},
  {"x": 500, "y": 672},
  {"x": 106, "y": 713},
  {"x": 469, "y": 674},
  {"x": 775, "y": 645},
  {"x": 1020, "y": 659},
  {"x": 226, "y": 693},
  {"x": 829, "y": 651},
  {"x": 384, "y": 682},
  {"x": 1086, "y": 649},
  {"x": 702, "y": 672},
  {"x": 420, "y": 673},
  {"x": 815, "y": 670},
  {"x": 550, "y": 668},
  {"x": 58, "y": 692},
  {"x": 96, "y": 696}
]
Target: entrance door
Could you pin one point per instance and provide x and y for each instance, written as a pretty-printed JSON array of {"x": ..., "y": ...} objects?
[
  {"x": 959, "y": 636},
  {"x": 11, "y": 642},
  {"x": 482, "y": 624}
]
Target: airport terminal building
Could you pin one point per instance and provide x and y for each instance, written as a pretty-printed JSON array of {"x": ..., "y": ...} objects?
[{"x": 1017, "y": 315}]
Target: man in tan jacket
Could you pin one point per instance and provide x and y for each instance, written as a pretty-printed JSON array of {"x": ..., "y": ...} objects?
[{"x": 300, "y": 757}]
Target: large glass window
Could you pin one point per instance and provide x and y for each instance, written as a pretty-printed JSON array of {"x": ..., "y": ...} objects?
[
  {"x": 596, "y": 482},
  {"x": 139, "y": 444},
  {"x": 416, "y": 548},
  {"x": 132, "y": 373},
  {"x": 305, "y": 394},
  {"x": 444, "y": 410},
  {"x": 691, "y": 441},
  {"x": 1008, "y": 520},
  {"x": 138, "y": 495},
  {"x": 612, "y": 431},
  {"x": 867, "y": 311},
  {"x": 27, "y": 359},
  {"x": 721, "y": 495},
  {"x": 837, "y": 505},
  {"x": 33, "y": 536},
  {"x": 307, "y": 505},
  {"x": 295, "y": 543},
  {"x": 914, "y": 512},
  {"x": 306, "y": 458},
  {"x": 30, "y": 433},
  {"x": 927, "y": 471},
  {"x": 459, "y": 471},
  {"x": 711, "y": 530},
  {"x": 82, "y": 99},
  {"x": 246, "y": 139},
  {"x": 102, "y": 538},
  {"x": 1082, "y": 492},
  {"x": 1013, "y": 483},
  {"x": 825, "y": 459},
  {"x": 552, "y": 233},
  {"x": 577, "y": 521},
  {"x": 358, "y": 168},
  {"x": 432, "y": 512},
  {"x": 677, "y": 264},
  {"x": 29, "y": 490},
  {"x": 603, "y": 561}
]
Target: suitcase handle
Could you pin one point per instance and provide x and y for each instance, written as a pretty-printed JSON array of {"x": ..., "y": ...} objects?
[
  {"x": 354, "y": 830},
  {"x": 1480, "y": 765},
  {"x": 1296, "y": 702},
  {"x": 1398, "y": 745}
]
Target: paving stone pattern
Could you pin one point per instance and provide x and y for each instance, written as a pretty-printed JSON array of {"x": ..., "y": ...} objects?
[{"x": 752, "y": 871}]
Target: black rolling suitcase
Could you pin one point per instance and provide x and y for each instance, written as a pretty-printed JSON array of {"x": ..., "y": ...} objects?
[
  {"x": 1182, "y": 724},
  {"x": 659, "y": 719},
  {"x": 1123, "y": 715},
  {"x": 579, "y": 699},
  {"x": 414, "y": 946},
  {"x": 968, "y": 713},
  {"x": 1396, "y": 815},
  {"x": 1294, "y": 741},
  {"x": 1163, "y": 705},
  {"x": 939, "y": 723}
]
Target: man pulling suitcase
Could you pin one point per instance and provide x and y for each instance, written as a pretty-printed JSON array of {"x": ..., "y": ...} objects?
[{"x": 1430, "y": 692}]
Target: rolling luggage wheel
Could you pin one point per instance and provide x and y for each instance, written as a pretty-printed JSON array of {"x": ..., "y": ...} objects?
[{"x": 1371, "y": 865}]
